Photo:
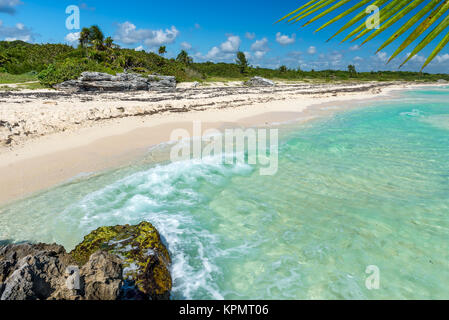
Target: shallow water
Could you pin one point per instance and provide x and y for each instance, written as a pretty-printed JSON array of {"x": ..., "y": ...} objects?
[{"x": 364, "y": 187}]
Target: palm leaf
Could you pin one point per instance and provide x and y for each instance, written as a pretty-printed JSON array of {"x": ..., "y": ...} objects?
[
  {"x": 432, "y": 35},
  {"x": 384, "y": 15},
  {"x": 434, "y": 16},
  {"x": 391, "y": 12},
  {"x": 357, "y": 18},
  {"x": 437, "y": 50},
  {"x": 410, "y": 23},
  {"x": 291, "y": 13},
  {"x": 323, "y": 5},
  {"x": 335, "y": 6},
  {"x": 307, "y": 9},
  {"x": 344, "y": 14},
  {"x": 395, "y": 19}
]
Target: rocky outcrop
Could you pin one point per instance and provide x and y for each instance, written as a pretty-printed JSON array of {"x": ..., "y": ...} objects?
[
  {"x": 102, "y": 276},
  {"x": 146, "y": 260},
  {"x": 103, "y": 82},
  {"x": 43, "y": 272},
  {"x": 112, "y": 263},
  {"x": 32, "y": 272},
  {"x": 259, "y": 82}
]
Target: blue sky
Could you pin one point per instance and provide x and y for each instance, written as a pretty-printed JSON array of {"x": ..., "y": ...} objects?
[{"x": 208, "y": 30}]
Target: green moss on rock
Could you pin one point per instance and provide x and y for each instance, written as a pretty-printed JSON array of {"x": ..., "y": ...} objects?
[{"x": 146, "y": 259}]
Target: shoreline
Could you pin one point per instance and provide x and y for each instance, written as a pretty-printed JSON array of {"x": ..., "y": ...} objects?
[{"x": 56, "y": 158}]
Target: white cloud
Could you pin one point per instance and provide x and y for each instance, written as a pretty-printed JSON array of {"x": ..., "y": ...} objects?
[
  {"x": 139, "y": 48},
  {"x": 9, "y": 6},
  {"x": 284, "y": 39},
  {"x": 250, "y": 35},
  {"x": 186, "y": 46},
  {"x": 260, "y": 48},
  {"x": 72, "y": 37},
  {"x": 128, "y": 33},
  {"x": 259, "y": 54},
  {"x": 231, "y": 45},
  {"x": 416, "y": 58},
  {"x": 213, "y": 53},
  {"x": 18, "y": 32},
  {"x": 226, "y": 50},
  {"x": 354, "y": 48},
  {"x": 382, "y": 56},
  {"x": 336, "y": 59},
  {"x": 260, "y": 45},
  {"x": 441, "y": 59},
  {"x": 311, "y": 50}
]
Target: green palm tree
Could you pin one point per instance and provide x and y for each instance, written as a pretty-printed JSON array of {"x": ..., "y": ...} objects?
[
  {"x": 184, "y": 58},
  {"x": 95, "y": 34},
  {"x": 98, "y": 44},
  {"x": 109, "y": 42},
  {"x": 84, "y": 37},
  {"x": 391, "y": 11},
  {"x": 162, "y": 50}
]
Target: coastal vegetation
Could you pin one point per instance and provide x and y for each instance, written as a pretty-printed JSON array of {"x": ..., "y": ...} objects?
[{"x": 51, "y": 64}]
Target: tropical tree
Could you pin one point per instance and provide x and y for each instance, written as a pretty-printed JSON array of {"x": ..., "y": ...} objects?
[
  {"x": 352, "y": 71},
  {"x": 183, "y": 57},
  {"x": 283, "y": 69},
  {"x": 242, "y": 62},
  {"x": 109, "y": 42},
  {"x": 84, "y": 37},
  {"x": 162, "y": 50},
  {"x": 96, "y": 35},
  {"x": 427, "y": 15}
]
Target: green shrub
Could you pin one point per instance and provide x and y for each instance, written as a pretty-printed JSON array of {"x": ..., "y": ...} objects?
[
  {"x": 70, "y": 69},
  {"x": 56, "y": 63}
]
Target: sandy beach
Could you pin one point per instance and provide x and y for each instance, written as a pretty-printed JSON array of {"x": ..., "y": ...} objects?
[{"x": 49, "y": 137}]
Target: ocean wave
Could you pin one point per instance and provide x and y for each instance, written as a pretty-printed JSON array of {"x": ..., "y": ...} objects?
[
  {"x": 164, "y": 195},
  {"x": 413, "y": 113}
]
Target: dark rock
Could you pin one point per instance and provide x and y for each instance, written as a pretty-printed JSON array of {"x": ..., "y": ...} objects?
[
  {"x": 95, "y": 76},
  {"x": 39, "y": 272},
  {"x": 69, "y": 86},
  {"x": 146, "y": 260},
  {"x": 160, "y": 82},
  {"x": 112, "y": 263},
  {"x": 102, "y": 277},
  {"x": 109, "y": 86},
  {"x": 103, "y": 82},
  {"x": 32, "y": 272},
  {"x": 259, "y": 82}
]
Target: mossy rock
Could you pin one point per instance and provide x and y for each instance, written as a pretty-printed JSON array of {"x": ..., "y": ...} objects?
[{"x": 146, "y": 259}]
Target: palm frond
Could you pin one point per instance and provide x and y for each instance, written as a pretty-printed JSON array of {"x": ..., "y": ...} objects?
[{"x": 429, "y": 14}]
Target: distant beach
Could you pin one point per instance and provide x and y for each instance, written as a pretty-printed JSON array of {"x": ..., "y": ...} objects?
[
  {"x": 55, "y": 136},
  {"x": 360, "y": 188}
]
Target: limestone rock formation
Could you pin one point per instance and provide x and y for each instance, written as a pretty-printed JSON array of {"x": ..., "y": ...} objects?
[
  {"x": 31, "y": 272},
  {"x": 103, "y": 82},
  {"x": 40, "y": 272},
  {"x": 112, "y": 263},
  {"x": 146, "y": 260},
  {"x": 259, "y": 82},
  {"x": 102, "y": 276}
]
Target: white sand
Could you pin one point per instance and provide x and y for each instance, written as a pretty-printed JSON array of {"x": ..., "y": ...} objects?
[{"x": 55, "y": 137}]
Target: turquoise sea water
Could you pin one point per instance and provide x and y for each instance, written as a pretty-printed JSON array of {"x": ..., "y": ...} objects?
[{"x": 364, "y": 187}]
